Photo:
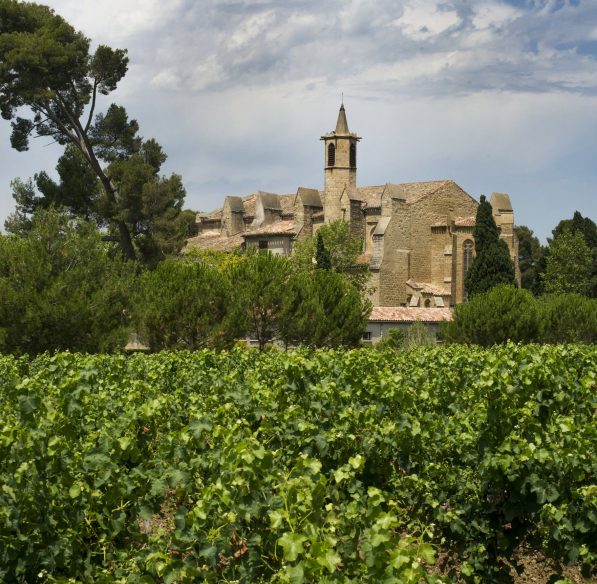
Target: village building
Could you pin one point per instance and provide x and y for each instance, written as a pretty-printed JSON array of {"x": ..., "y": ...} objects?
[{"x": 417, "y": 236}]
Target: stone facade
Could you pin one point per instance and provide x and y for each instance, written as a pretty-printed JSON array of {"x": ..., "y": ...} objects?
[{"x": 417, "y": 237}]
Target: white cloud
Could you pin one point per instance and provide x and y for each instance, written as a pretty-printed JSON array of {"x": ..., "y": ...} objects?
[
  {"x": 424, "y": 19},
  {"x": 494, "y": 14}
]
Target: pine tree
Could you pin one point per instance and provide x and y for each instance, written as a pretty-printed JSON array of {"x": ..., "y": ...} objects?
[
  {"x": 322, "y": 255},
  {"x": 492, "y": 264}
]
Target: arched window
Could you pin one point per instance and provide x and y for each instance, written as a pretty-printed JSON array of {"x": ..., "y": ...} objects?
[
  {"x": 353, "y": 155},
  {"x": 428, "y": 303},
  {"x": 331, "y": 155},
  {"x": 467, "y": 255}
]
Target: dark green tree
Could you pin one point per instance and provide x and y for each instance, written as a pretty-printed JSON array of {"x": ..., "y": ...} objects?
[
  {"x": 259, "y": 281},
  {"x": 588, "y": 228},
  {"x": 568, "y": 318},
  {"x": 342, "y": 248},
  {"x": 502, "y": 313},
  {"x": 46, "y": 67},
  {"x": 322, "y": 255},
  {"x": 531, "y": 259},
  {"x": 492, "y": 264},
  {"x": 322, "y": 309},
  {"x": 183, "y": 304},
  {"x": 62, "y": 288},
  {"x": 569, "y": 264},
  {"x": 78, "y": 192}
]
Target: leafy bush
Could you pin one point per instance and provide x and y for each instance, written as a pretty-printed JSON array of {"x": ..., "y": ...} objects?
[
  {"x": 568, "y": 318},
  {"x": 503, "y": 313},
  {"x": 305, "y": 466}
]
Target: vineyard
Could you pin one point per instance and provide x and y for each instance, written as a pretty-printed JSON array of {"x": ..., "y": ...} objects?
[{"x": 308, "y": 466}]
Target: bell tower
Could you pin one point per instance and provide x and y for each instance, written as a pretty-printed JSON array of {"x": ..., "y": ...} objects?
[{"x": 340, "y": 165}]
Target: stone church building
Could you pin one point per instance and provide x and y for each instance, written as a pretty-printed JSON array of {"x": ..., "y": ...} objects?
[{"x": 417, "y": 237}]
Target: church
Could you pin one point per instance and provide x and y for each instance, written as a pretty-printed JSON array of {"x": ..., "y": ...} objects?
[{"x": 417, "y": 237}]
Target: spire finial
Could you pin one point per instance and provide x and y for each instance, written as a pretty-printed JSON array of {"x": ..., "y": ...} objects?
[{"x": 342, "y": 102}]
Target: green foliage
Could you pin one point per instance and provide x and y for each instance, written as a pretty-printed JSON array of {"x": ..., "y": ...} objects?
[
  {"x": 183, "y": 305},
  {"x": 323, "y": 260},
  {"x": 326, "y": 466},
  {"x": 342, "y": 249},
  {"x": 568, "y": 318},
  {"x": 569, "y": 264},
  {"x": 61, "y": 288},
  {"x": 588, "y": 228},
  {"x": 259, "y": 281},
  {"x": 47, "y": 69},
  {"x": 78, "y": 192},
  {"x": 492, "y": 264},
  {"x": 322, "y": 309},
  {"x": 531, "y": 259},
  {"x": 504, "y": 313},
  {"x": 416, "y": 335}
]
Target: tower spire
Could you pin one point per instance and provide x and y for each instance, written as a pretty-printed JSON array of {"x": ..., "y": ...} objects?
[{"x": 342, "y": 124}]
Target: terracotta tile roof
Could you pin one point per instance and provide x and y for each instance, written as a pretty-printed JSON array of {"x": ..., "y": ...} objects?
[
  {"x": 277, "y": 228},
  {"x": 371, "y": 195},
  {"x": 415, "y": 191},
  {"x": 215, "y": 240},
  {"x": 428, "y": 288},
  {"x": 464, "y": 221},
  {"x": 404, "y": 314},
  {"x": 212, "y": 215},
  {"x": 249, "y": 205}
]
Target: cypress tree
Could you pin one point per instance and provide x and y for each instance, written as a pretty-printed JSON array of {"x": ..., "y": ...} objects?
[
  {"x": 322, "y": 255},
  {"x": 492, "y": 264}
]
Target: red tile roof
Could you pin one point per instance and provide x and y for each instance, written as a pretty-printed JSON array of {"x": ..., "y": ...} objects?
[
  {"x": 277, "y": 228},
  {"x": 405, "y": 314}
]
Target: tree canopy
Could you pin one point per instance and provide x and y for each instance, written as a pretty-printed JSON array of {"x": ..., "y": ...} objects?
[
  {"x": 338, "y": 247},
  {"x": 62, "y": 288},
  {"x": 569, "y": 264},
  {"x": 46, "y": 67},
  {"x": 492, "y": 264}
]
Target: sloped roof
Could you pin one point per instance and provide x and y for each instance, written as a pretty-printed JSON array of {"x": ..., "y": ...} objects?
[
  {"x": 249, "y": 205},
  {"x": 371, "y": 195},
  {"x": 405, "y": 314},
  {"x": 212, "y": 215},
  {"x": 415, "y": 191},
  {"x": 342, "y": 123},
  {"x": 270, "y": 201},
  {"x": 277, "y": 228},
  {"x": 287, "y": 204},
  {"x": 428, "y": 288},
  {"x": 214, "y": 239},
  {"x": 465, "y": 221},
  {"x": 309, "y": 197},
  {"x": 382, "y": 225}
]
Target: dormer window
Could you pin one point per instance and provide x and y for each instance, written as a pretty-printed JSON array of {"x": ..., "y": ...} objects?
[
  {"x": 331, "y": 155},
  {"x": 353, "y": 155}
]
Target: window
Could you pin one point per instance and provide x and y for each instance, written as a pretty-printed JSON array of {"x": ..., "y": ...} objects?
[
  {"x": 427, "y": 303},
  {"x": 467, "y": 253},
  {"x": 331, "y": 155},
  {"x": 353, "y": 155},
  {"x": 366, "y": 336},
  {"x": 263, "y": 244}
]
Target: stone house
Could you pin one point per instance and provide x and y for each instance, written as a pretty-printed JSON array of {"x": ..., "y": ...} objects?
[{"x": 417, "y": 236}]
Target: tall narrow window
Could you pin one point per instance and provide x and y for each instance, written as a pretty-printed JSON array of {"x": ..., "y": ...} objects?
[
  {"x": 353, "y": 155},
  {"x": 331, "y": 155},
  {"x": 467, "y": 253}
]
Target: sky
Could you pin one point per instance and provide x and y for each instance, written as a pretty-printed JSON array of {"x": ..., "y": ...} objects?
[{"x": 498, "y": 95}]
